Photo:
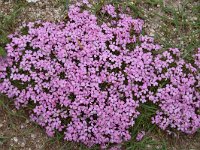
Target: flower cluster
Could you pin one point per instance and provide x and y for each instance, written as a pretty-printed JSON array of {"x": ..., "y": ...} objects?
[
  {"x": 178, "y": 95},
  {"x": 140, "y": 135},
  {"x": 110, "y": 9},
  {"x": 87, "y": 79}
]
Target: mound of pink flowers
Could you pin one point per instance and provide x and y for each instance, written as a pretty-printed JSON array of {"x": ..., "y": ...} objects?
[{"x": 87, "y": 79}]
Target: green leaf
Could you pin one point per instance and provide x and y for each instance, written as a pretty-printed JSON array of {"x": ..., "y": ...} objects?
[{"x": 2, "y": 52}]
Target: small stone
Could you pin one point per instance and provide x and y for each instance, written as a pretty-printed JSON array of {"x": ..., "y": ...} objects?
[
  {"x": 182, "y": 43},
  {"x": 33, "y": 136},
  {"x": 31, "y": 1},
  {"x": 149, "y": 146},
  {"x": 194, "y": 18},
  {"x": 27, "y": 121},
  {"x": 158, "y": 147},
  {"x": 152, "y": 32},
  {"x": 14, "y": 111},
  {"x": 150, "y": 9},
  {"x": 22, "y": 126},
  {"x": 1, "y": 125},
  {"x": 15, "y": 139},
  {"x": 23, "y": 144}
]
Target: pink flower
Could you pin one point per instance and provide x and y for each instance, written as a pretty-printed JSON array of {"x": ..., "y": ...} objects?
[{"x": 140, "y": 135}]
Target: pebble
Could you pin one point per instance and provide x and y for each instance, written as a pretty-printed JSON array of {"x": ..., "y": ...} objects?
[
  {"x": 23, "y": 144},
  {"x": 152, "y": 32},
  {"x": 149, "y": 146},
  {"x": 27, "y": 121},
  {"x": 33, "y": 136},
  {"x": 31, "y": 1},
  {"x": 15, "y": 139},
  {"x": 182, "y": 43},
  {"x": 22, "y": 126},
  {"x": 194, "y": 18},
  {"x": 14, "y": 111},
  {"x": 158, "y": 147}
]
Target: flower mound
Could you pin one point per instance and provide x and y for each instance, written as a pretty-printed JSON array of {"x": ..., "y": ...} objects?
[{"x": 87, "y": 79}]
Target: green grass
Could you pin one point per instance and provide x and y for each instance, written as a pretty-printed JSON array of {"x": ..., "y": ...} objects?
[
  {"x": 8, "y": 24},
  {"x": 179, "y": 27}
]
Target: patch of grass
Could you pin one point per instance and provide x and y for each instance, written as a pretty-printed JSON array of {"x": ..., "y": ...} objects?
[
  {"x": 61, "y": 3},
  {"x": 143, "y": 123},
  {"x": 180, "y": 27},
  {"x": 8, "y": 24},
  {"x": 8, "y": 108}
]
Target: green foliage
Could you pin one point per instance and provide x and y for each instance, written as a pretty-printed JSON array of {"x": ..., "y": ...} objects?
[
  {"x": 2, "y": 52},
  {"x": 8, "y": 24}
]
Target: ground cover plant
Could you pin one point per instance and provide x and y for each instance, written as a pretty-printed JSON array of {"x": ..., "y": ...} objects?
[{"x": 103, "y": 72}]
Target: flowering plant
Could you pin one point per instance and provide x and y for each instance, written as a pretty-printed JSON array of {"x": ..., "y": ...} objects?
[{"x": 87, "y": 79}]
